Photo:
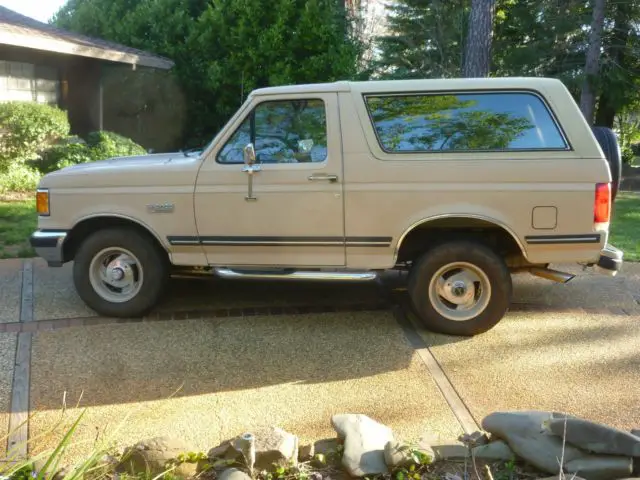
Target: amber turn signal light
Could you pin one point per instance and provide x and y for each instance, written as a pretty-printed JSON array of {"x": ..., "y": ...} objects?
[{"x": 42, "y": 202}]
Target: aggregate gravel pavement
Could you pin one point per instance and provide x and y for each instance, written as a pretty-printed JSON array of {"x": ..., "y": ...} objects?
[{"x": 573, "y": 347}]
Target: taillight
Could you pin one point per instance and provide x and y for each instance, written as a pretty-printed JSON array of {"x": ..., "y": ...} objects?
[{"x": 602, "y": 205}]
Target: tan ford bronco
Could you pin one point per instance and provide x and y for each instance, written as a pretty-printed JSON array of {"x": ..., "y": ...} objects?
[{"x": 462, "y": 182}]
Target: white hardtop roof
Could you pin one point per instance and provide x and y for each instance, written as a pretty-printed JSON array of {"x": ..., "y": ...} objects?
[{"x": 390, "y": 86}]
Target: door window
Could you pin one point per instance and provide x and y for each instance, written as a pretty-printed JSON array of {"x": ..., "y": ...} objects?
[{"x": 283, "y": 131}]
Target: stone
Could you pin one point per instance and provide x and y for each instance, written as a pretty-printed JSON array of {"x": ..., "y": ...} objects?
[
  {"x": 474, "y": 439},
  {"x": 397, "y": 454},
  {"x": 306, "y": 452},
  {"x": 224, "y": 451},
  {"x": 526, "y": 435},
  {"x": 636, "y": 433},
  {"x": 600, "y": 467},
  {"x": 326, "y": 446},
  {"x": 153, "y": 455},
  {"x": 233, "y": 474},
  {"x": 596, "y": 437},
  {"x": 498, "y": 451},
  {"x": 274, "y": 445},
  {"x": 364, "y": 442},
  {"x": 453, "y": 452}
]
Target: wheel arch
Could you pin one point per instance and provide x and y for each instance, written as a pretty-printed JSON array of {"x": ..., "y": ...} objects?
[
  {"x": 463, "y": 221},
  {"x": 87, "y": 225}
]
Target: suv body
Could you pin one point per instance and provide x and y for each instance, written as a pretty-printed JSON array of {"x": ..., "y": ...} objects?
[{"x": 462, "y": 181}]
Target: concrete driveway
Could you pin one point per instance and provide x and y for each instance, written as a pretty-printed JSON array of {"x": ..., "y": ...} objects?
[{"x": 220, "y": 358}]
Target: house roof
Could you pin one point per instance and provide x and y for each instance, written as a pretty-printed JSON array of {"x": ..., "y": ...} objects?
[{"x": 22, "y": 31}]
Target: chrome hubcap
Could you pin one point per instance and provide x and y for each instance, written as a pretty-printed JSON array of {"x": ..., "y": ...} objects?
[
  {"x": 459, "y": 291},
  {"x": 116, "y": 275}
]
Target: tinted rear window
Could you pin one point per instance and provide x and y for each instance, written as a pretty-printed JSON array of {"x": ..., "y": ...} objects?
[{"x": 464, "y": 122}]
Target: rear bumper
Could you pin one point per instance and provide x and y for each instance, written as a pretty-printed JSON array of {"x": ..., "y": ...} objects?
[
  {"x": 610, "y": 261},
  {"x": 48, "y": 244}
]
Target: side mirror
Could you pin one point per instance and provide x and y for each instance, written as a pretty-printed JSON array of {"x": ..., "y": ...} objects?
[{"x": 249, "y": 154}]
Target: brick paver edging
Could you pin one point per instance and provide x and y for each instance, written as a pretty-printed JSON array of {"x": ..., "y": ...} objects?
[
  {"x": 208, "y": 314},
  {"x": 202, "y": 314}
]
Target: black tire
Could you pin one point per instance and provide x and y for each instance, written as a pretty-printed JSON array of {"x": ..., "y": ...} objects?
[
  {"x": 609, "y": 144},
  {"x": 155, "y": 266},
  {"x": 481, "y": 258}
]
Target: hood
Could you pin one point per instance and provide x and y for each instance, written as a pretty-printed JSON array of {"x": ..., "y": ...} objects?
[
  {"x": 141, "y": 170},
  {"x": 125, "y": 163}
]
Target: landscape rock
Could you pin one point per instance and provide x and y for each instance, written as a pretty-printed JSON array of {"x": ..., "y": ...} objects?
[
  {"x": 274, "y": 445},
  {"x": 497, "y": 450},
  {"x": 525, "y": 433},
  {"x": 596, "y": 437},
  {"x": 451, "y": 452},
  {"x": 224, "y": 451},
  {"x": 474, "y": 439},
  {"x": 397, "y": 454},
  {"x": 636, "y": 433},
  {"x": 326, "y": 446},
  {"x": 152, "y": 455},
  {"x": 600, "y": 467},
  {"x": 233, "y": 474},
  {"x": 306, "y": 452},
  {"x": 364, "y": 443}
]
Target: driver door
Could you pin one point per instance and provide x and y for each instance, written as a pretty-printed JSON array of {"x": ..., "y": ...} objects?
[{"x": 293, "y": 213}]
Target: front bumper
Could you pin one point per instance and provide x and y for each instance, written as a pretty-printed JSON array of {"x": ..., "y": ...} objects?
[
  {"x": 610, "y": 261},
  {"x": 48, "y": 244}
]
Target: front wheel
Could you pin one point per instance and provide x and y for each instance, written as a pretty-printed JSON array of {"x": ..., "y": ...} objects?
[
  {"x": 120, "y": 272},
  {"x": 460, "y": 288}
]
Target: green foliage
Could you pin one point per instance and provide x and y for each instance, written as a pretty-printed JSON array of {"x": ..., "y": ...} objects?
[
  {"x": 225, "y": 48},
  {"x": 64, "y": 155},
  {"x": 425, "y": 39},
  {"x": 26, "y": 129},
  {"x": 19, "y": 177},
  {"x": 108, "y": 144},
  {"x": 628, "y": 127},
  {"x": 99, "y": 146},
  {"x": 531, "y": 38}
]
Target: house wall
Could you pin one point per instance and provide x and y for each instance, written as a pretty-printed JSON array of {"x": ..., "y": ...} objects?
[
  {"x": 71, "y": 82},
  {"x": 143, "y": 104},
  {"x": 84, "y": 98},
  {"x": 27, "y": 75}
]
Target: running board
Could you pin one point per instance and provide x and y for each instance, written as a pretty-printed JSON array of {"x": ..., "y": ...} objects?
[
  {"x": 554, "y": 275},
  {"x": 228, "y": 273}
]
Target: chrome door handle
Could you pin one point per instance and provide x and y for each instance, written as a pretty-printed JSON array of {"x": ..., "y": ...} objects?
[
  {"x": 251, "y": 169},
  {"x": 323, "y": 177}
]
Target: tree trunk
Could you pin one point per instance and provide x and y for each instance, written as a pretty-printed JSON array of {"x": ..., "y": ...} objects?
[
  {"x": 592, "y": 63},
  {"x": 477, "y": 52},
  {"x": 608, "y": 103}
]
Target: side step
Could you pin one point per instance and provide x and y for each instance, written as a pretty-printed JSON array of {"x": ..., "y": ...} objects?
[
  {"x": 550, "y": 274},
  {"x": 229, "y": 273}
]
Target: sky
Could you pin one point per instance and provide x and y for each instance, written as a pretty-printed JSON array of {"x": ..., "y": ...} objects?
[{"x": 41, "y": 10}]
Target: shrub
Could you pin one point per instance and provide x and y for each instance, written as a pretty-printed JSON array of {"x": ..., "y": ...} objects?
[
  {"x": 64, "y": 155},
  {"x": 19, "y": 177},
  {"x": 105, "y": 144},
  {"x": 27, "y": 128},
  {"x": 99, "y": 146}
]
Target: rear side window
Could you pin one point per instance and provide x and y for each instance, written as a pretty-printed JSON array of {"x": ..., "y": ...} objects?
[{"x": 499, "y": 121}]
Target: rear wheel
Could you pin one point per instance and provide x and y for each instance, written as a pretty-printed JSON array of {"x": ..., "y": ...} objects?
[
  {"x": 460, "y": 288},
  {"x": 120, "y": 272}
]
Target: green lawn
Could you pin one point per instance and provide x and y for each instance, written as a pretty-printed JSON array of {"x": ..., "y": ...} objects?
[
  {"x": 18, "y": 220},
  {"x": 625, "y": 226}
]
